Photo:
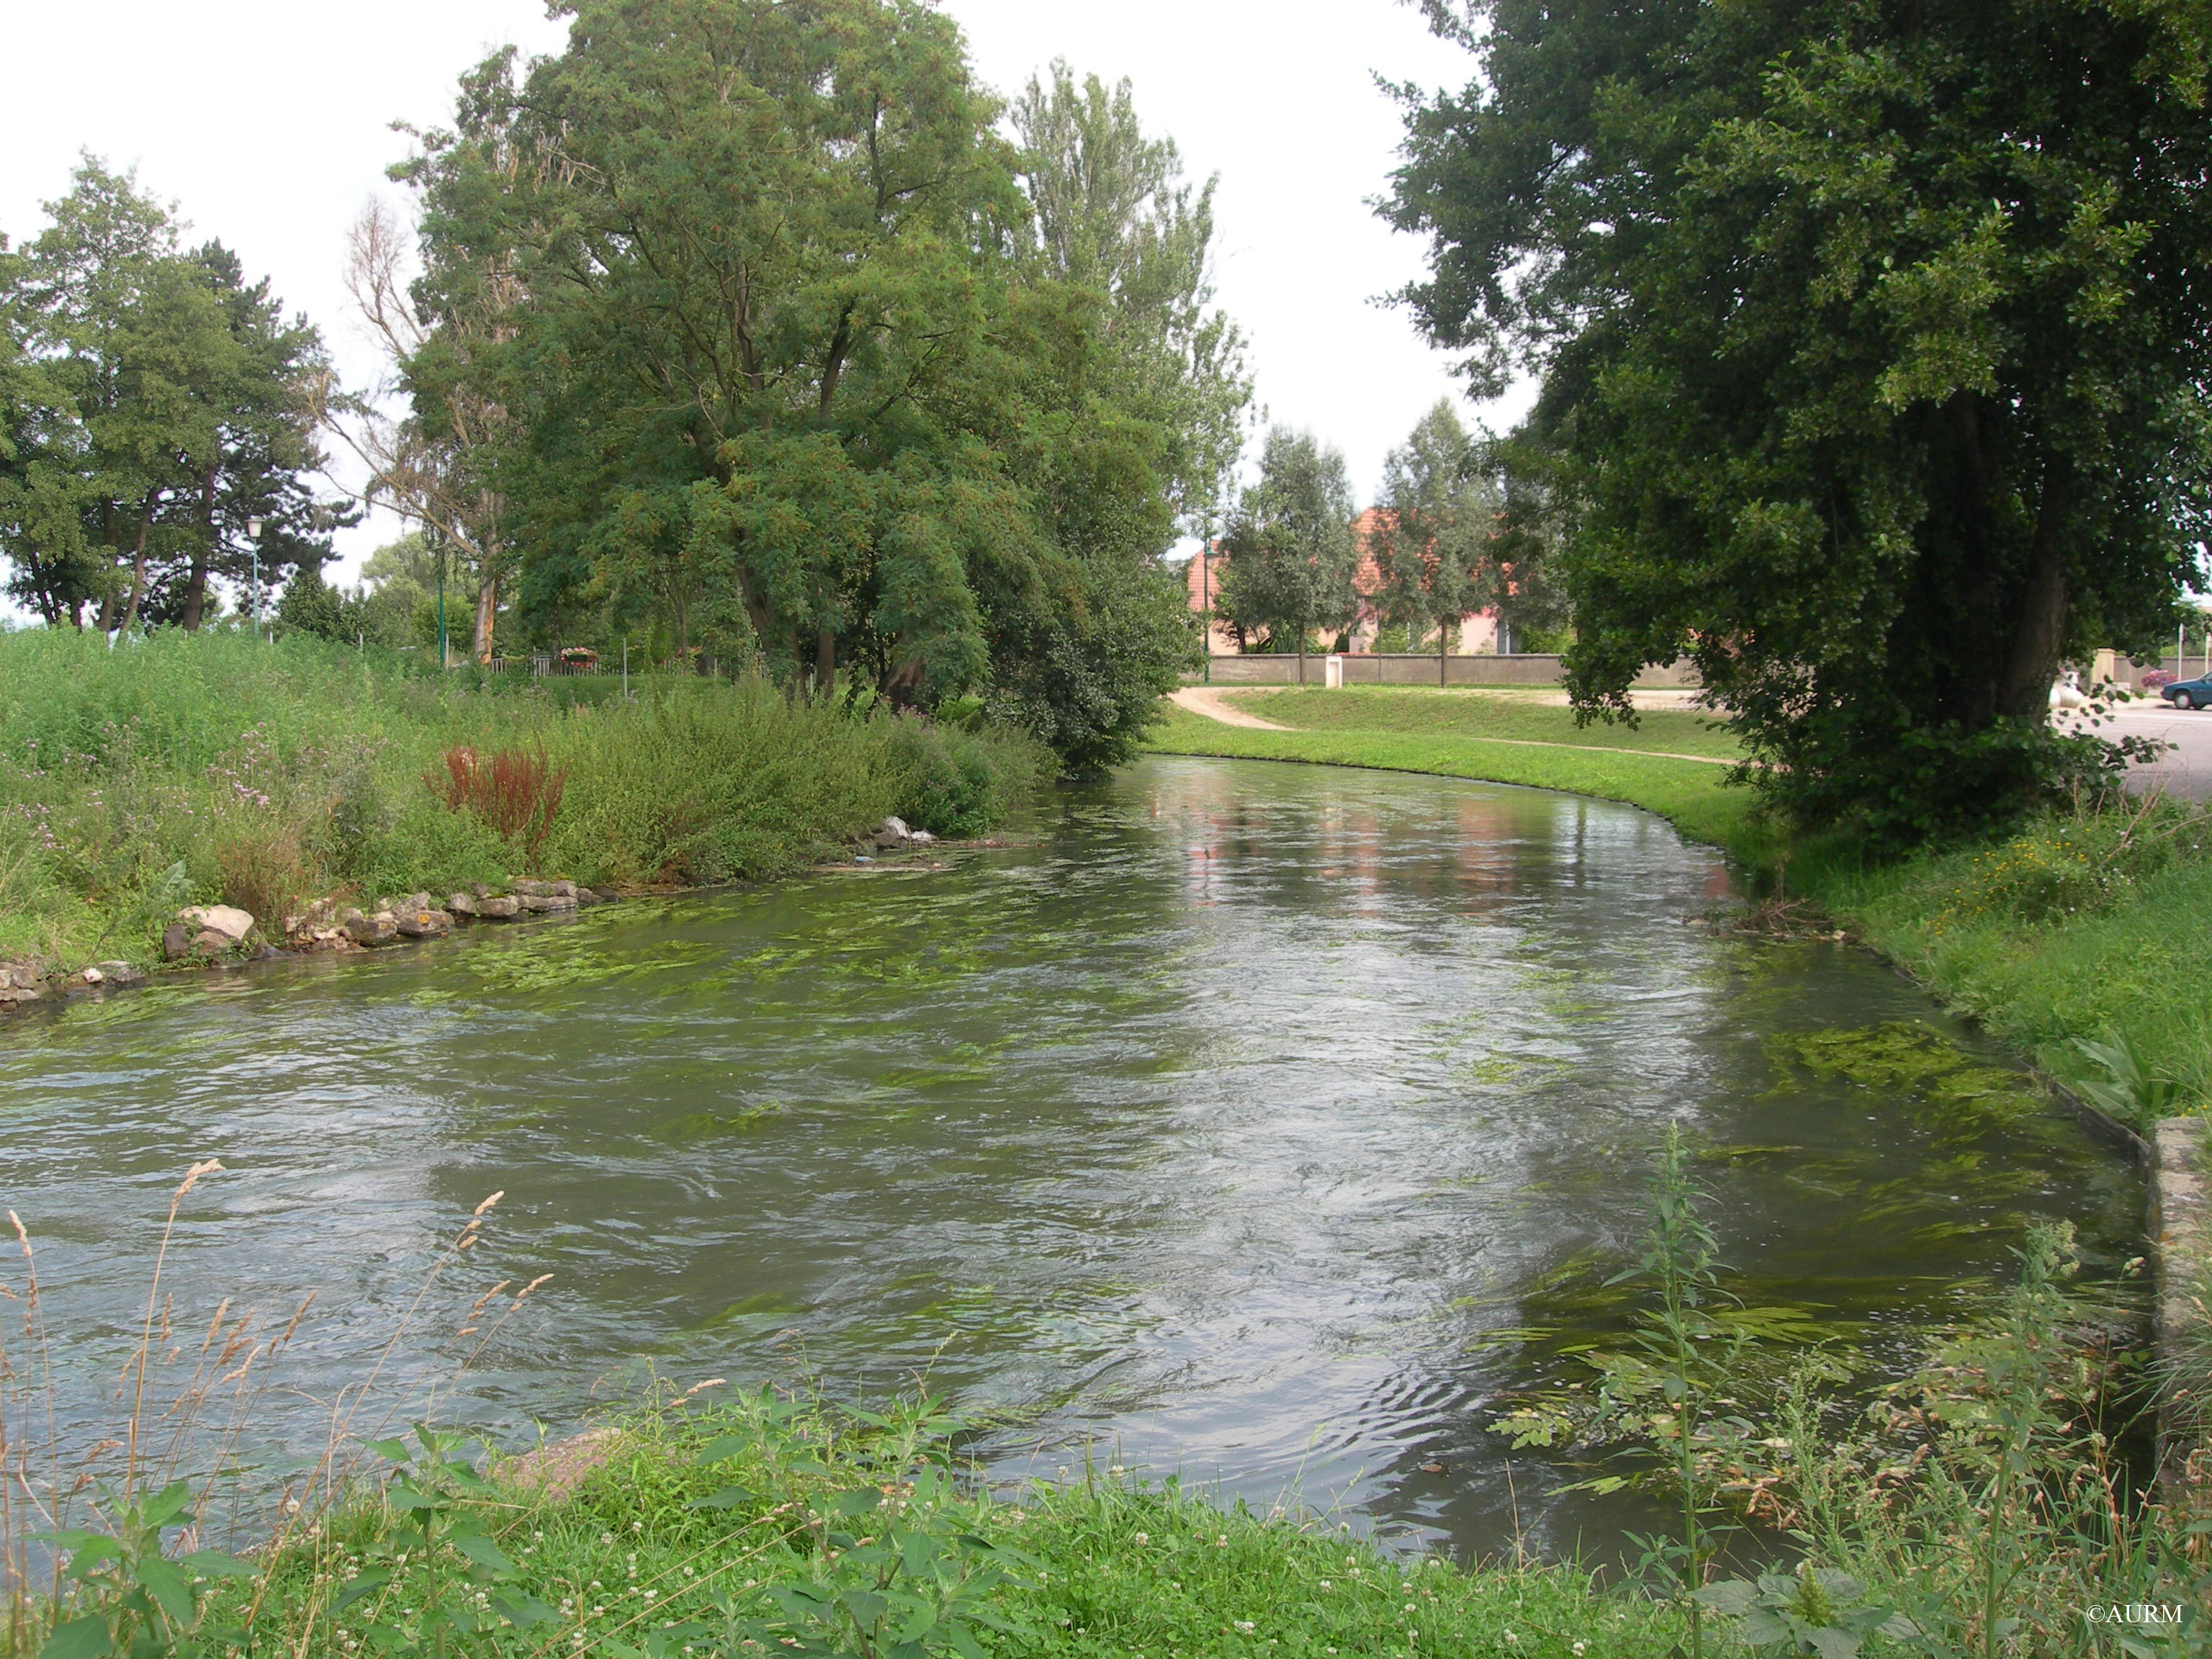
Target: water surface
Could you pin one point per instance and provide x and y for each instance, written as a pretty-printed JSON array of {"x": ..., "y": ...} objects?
[{"x": 1265, "y": 1123}]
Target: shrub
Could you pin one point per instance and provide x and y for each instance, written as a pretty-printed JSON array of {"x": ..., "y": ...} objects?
[{"x": 958, "y": 783}]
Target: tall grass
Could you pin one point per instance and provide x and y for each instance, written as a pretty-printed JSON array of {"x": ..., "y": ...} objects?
[{"x": 180, "y": 769}]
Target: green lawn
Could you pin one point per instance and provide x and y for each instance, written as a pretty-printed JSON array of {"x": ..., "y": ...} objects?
[{"x": 1523, "y": 716}]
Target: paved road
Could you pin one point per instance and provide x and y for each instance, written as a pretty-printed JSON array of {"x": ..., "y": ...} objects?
[{"x": 2185, "y": 769}]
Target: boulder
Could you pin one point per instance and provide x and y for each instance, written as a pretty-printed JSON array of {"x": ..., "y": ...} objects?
[
  {"x": 93, "y": 976},
  {"x": 546, "y": 888},
  {"x": 378, "y": 929},
  {"x": 921, "y": 838},
  {"x": 499, "y": 907},
  {"x": 462, "y": 904},
  {"x": 176, "y": 942},
  {"x": 537, "y": 903},
  {"x": 597, "y": 896},
  {"x": 209, "y": 942},
  {"x": 120, "y": 975},
  {"x": 416, "y": 901},
  {"x": 233, "y": 923},
  {"x": 893, "y": 833},
  {"x": 422, "y": 924}
]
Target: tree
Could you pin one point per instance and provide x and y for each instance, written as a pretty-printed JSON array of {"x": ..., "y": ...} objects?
[
  {"x": 792, "y": 368},
  {"x": 1114, "y": 217},
  {"x": 1874, "y": 342},
  {"x": 1290, "y": 555},
  {"x": 1436, "y": 533},
  {"x": 152, "y": 411},
  {"x": 438, "y": 464}
]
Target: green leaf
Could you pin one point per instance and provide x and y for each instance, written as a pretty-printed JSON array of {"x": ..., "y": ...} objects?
[
  {"x": 864, "y": 1500},
  {"x": 725, "y": 1446},
  {"x": 166, "y": 1583},
  {"x": 392, "y": 1450},
  {"x": 482, "y": 1551},
  {"x": 1832, "y": 1644},
  {"x": 1898, "y": 1628},
  {"x": 216, "y": 1564},
  {"x": 372, "y": 1578},
  {"x": 166, "y": 1505},
  {"x": 866, "y": 1605},
  {"x": 82, "y": 1637},
  {"x": 1732, "y": 1597},
  {"x": 728, "y": 1498}
]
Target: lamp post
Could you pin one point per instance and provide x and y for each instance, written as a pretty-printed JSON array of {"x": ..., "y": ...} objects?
[{"x": 253, "y": 540}]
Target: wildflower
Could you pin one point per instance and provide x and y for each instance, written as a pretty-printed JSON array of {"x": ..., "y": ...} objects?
[
  {"x": 1244, "y": 1625},
  {"x": 606, "y": 1538},
  {"x": 1221, "y": 1542},
  {"x": 1143, "y": 1538},
  {"x": 1117, "y": 1470},
  {"x": 1511, "y": 1637},
  {"x": 1578, "y": 1647},
  {"x": 1325, "y": 1584}
]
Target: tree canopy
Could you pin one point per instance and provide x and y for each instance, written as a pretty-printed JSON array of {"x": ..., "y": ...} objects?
[
  {"x": 1435, "y": 531},
  {"x": 805, "y": 361},
  {"x": 150, "y": 408},
  {"x": 1291, "y": 556},
  {"x": 1874, "y": 342}
]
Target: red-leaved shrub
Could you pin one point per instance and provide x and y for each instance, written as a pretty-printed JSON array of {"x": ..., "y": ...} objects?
[{"x": 514, "y": 792}]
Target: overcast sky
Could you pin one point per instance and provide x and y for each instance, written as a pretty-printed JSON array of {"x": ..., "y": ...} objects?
[{"x": 269, "y": 123}]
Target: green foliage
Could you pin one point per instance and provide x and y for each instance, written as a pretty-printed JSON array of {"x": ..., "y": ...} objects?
[
  {"x": 2129, "y": 1088},
  {"x": 1436, "y": 532},
  {"x": 182, "y": 768},
  {"x": 150, "y": 407},
  {"x": 954, "y": 783},
  {"x": 1817, "y": 1610},
  {"x": 1873, "y": 341},
  {"x": 128, "y": 1596},
  {"x": 941, "y": 433},
  {"x": 1290, "y": 555}
]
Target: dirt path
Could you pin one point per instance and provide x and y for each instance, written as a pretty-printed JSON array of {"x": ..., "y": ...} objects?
[
  {"x": 1211, "y": 701},
  {"x": 1207, "y": 699}
]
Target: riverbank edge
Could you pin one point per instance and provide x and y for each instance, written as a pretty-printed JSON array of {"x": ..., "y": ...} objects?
[{"x": 24, "y": 989}]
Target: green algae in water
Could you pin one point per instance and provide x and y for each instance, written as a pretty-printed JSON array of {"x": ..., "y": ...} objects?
[
  {"x": 1907, "y": 1061},
  {"x": 704, "y": 1126}
]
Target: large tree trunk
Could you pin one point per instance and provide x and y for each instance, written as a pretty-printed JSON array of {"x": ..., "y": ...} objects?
[
  {"x": 486, "y": 614},
  {"x": 2039, "y": 632},
  {"x": 137, "y": 569},
  {"x": 1444, "y": 640},
  {"x": 825, "y": 660},
  {"x": 196, "y": 584}
]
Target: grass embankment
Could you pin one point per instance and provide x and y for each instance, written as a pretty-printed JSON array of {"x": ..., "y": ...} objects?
[
  {"x": 193, "y": 768},
  {"x": 2082, "y": 926},
  {"x": 764, "y": 1526}
]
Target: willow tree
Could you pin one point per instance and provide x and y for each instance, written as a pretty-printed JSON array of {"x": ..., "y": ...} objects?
[
  {"x": 791, "y": 366},
  {"x": 1873, "y": 339}
]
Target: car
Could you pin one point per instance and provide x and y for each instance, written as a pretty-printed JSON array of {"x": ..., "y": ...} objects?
[{"x": 2189, "y": 694}]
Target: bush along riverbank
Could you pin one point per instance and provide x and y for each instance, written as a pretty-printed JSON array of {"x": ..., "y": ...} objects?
[
  {"x": 1977, "y": 1505},
  {"x": 292, "y": 782}
]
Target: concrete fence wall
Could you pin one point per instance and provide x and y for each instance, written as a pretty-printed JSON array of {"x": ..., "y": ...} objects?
[{"x": 1526, "y": 668}]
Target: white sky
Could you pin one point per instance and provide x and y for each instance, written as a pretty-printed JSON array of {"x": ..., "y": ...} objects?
[{"x": 268, "y": 123}]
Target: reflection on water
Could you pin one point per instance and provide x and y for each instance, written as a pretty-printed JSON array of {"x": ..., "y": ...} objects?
[{"x": 1262, "y": 1121}]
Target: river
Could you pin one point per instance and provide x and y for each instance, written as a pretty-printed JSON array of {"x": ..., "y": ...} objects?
[{"x": 1264, "y": 1123}]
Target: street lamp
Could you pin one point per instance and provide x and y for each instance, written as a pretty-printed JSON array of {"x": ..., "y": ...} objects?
[{"x": 254, "y": 536}]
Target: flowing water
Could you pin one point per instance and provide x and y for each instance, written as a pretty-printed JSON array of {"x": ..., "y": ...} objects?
[{"x": 1266, "y": 1123}]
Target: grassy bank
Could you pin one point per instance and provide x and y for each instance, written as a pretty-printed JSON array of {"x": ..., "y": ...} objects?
[
  {"x": 181, "y": 769},
  {"x": 1972, "y": 1508},
  {"x": 2080, "y": 928}
]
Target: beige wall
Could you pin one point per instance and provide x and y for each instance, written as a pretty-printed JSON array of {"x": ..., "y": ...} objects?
[{"x": 1485, "y": 669}]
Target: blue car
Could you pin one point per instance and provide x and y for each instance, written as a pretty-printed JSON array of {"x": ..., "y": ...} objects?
[{"x": 2189, "y": 694}]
